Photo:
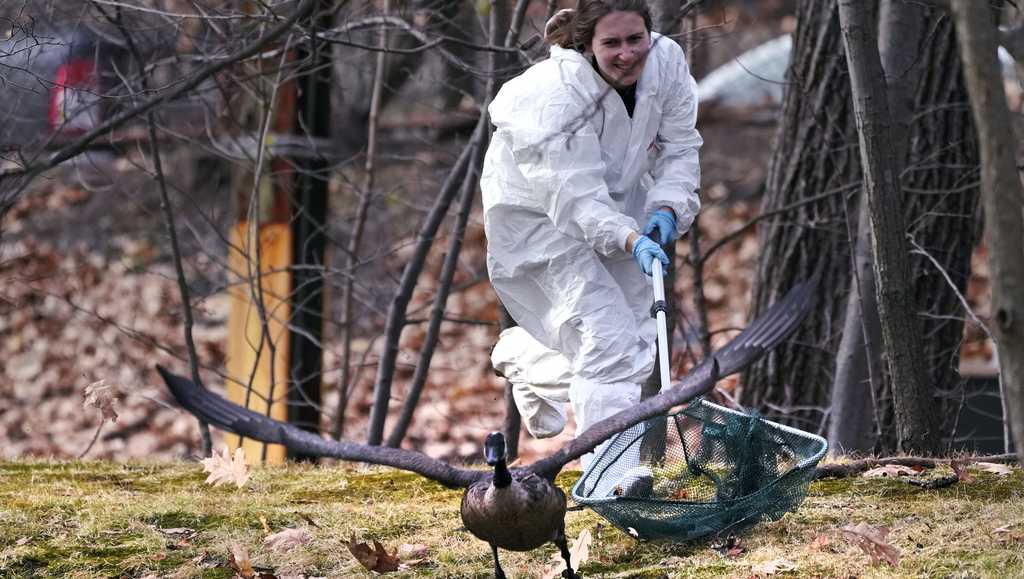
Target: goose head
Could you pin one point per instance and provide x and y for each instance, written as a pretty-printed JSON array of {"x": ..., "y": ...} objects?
[
  {"x": 494, "y": 448},
  {"x": 495, "y": 455}
]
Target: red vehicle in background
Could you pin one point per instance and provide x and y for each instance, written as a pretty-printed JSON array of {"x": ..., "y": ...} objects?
[
  {"x": 74, "y": 102},
  {"x": 54, "y": 82}
]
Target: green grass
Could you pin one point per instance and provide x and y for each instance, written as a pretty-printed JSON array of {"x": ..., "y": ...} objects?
[{"x": 103, "y": 519}]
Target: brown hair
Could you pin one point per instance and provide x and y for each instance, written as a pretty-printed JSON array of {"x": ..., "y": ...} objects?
[{"x": 575, "y": 28}]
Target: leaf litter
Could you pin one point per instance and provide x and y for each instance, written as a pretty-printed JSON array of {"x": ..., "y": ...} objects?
[
  {"x": 224, "y": 468},
  {"x": 375, "y": 558},
  {"x": 287, "y": 539},
  {"x": 873, "y": 541}
]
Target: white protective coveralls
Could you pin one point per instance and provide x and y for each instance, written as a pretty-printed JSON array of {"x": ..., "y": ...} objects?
[{"x": 567, "y": 177}]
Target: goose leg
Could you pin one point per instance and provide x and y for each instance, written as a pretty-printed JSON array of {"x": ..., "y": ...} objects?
[
  {"x": 498, "y": 573},
  {"x": 563, "y": 546}
]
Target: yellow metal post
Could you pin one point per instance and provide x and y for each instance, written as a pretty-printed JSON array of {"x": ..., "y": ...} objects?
[
  {"x": 253, "y": 351},
  {"x": 260, "y": 263}
]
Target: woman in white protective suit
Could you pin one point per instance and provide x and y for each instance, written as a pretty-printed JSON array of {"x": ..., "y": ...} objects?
[{"x": 594, "y": 153}]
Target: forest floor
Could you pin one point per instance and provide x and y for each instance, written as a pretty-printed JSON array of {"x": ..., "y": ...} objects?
[{"x": 135, "y": 519}]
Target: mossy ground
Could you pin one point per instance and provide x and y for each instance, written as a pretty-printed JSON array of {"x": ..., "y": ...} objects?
[{"x": 100, "y": 519}]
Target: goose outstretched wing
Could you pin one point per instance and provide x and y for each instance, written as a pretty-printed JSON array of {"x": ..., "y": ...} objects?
[
  {"x": 229, "y": 416},
  {"x": 759, "y": 338}
]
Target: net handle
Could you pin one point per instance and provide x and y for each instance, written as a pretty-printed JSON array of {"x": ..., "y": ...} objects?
[{"x": 659, "y": 299}]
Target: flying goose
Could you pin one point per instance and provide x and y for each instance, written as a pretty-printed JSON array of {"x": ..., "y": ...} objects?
[{"x": 515, "y": 509}]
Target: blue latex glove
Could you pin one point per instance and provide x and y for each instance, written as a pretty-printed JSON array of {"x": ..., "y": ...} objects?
[
  {"x": 645, "y": 251},
  {"x": 664, "y": 222}
]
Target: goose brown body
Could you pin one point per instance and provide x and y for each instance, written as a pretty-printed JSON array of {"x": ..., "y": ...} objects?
[{"x": 519, "y": 517}]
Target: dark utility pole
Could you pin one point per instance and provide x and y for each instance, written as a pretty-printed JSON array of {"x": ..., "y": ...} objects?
[{"x": 308, "y": 222}]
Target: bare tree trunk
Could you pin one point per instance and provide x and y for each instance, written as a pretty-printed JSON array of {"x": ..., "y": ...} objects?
[
  {"x": 915, "y": 421},
  {"x": 1002, "y": 197},
  {"x": 941, "y": 195},
  {"x": 937, "y": 139},
  {"x": 853, "y": 413},
  {"x": 815, "y": 155},
  {"x": 859, "y": 362}
]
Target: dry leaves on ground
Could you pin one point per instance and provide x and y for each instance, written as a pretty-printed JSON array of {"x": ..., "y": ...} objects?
[
  {"x": 890, "y": 470},
  {"x": 579, "y": 552},
  {"x": 103, "y": 396},
  {"x": 226, "y": 469},
  {"x": 821, "y": 543},
  {"x": 412, "y": 554},
  {"x": 374, "y": 558},
  {"x": 995, "y": 468},
  {"x": 287, "y": 539},
  {"x": 960, "y": 470},
  {"x": 240, "y": 563},
  {"x": 872, "y": 540}
]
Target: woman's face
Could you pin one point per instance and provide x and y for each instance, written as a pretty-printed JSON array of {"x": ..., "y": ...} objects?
[{"x": 620, "y": 45}]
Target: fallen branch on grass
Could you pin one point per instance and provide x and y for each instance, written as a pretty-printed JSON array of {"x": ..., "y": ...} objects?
[{"x": 847, "y": 469}]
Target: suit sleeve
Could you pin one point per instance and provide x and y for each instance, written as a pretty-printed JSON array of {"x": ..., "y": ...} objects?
[{"x": 676, "y": 169}]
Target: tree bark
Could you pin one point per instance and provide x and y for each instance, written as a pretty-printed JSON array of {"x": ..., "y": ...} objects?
[
  {"x": 916, "y": 427},
  {"x": 942, "y": 208},
  {"x": 854, "y": 422},
  {"x": 859, "y": 361},
  {"x": 1002, "y": 198},
  {"x": 932, "y": 125},
  {"x": 853, "y": 413},
  {"x": 815, "y": 153}
]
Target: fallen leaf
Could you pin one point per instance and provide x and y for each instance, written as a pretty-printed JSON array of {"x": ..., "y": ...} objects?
[
  {"x": 889, "y": 470},
  {"x": 103, "y": 396},
  {"x": 287, "y": 539},
  {"x": 820, "y": 542},
  {"x": 22, "y": 541},
  {"x": 412, "y": 554},
  {"x": 872, "y": 540},
  {"x": 239, "y": 561},
  {"x": 374, "y": 559},
  {"x": 579, "y": 552},
  {"x": 225, "y": 469},
  {"x": 773, "y": 567},
  {"x": 995, "y": 468},
  {"x": 960, "y": 470}
]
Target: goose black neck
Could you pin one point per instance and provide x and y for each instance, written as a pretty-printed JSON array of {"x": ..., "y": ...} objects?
[{"x": 502, "y": 476}]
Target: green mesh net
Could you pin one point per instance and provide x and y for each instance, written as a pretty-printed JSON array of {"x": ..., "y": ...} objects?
[{"x": 702, "y": 472}]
